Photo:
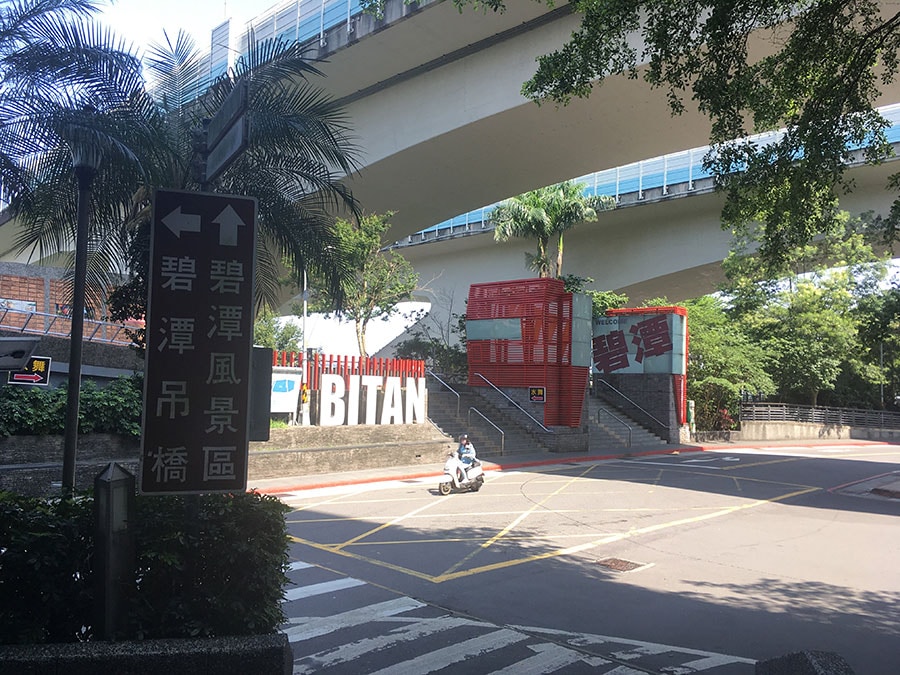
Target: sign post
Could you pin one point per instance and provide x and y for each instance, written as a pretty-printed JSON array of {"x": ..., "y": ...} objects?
[
  {"x": 199, "y": 341},
  {"x": 228, "y": 133}
]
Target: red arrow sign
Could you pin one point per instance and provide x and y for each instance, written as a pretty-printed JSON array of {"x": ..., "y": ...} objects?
[{"x": 26, "y": 377}]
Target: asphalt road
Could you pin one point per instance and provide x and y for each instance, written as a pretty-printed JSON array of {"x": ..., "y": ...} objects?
[{"x": 696, "y": 562}]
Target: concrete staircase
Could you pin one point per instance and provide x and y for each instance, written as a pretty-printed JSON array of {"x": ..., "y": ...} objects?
[
  {"x": 611, "y": 428},
  {"x": 515, "y": 438},
  {"x": 521, "y": 435}
]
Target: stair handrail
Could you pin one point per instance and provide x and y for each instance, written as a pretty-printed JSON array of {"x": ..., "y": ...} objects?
[
  {"x": 485, "y": 418},
  {"x": 452, "y": 390},
  {"x": 620, "y": 421},
  {"x": 504, "y": 395},
  {"x": 602, "y": 381}
]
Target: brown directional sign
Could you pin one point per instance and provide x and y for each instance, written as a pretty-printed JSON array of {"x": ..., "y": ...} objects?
[{"x": 199, "y": 341}]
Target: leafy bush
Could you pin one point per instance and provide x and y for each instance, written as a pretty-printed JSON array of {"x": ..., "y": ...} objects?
[
  {"x": 204, "y": 567},
  {"x": 113, "y": 409},
  {"x": 210, "y": 566},
  {"x": 46, "y": 579}
]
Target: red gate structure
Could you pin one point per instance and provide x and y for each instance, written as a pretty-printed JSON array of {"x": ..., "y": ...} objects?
[
  {"x": 519, "y": 336},
  {"x": 318, "y": 364}
]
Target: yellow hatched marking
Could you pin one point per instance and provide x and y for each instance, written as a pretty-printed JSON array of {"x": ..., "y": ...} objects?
[
  {"x": 607, "y": 539},
  {"x": 390, "y": 523},
  {"x": 620, "y": 537},
  {"x": 490, "y": 542}
]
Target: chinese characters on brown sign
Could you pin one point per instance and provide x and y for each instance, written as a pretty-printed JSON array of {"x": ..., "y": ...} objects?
[
  {"x": 199, "y": 341},
  {"x": 640, "y": 343}
]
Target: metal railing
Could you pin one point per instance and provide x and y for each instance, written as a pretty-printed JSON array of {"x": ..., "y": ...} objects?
[
  {"x": 662, "y": 426},
  {"x": 57, "y": 325},
  {"x": 485, "y": 418},
  {"x": 841, "y": 417},
  {"x": 620, "y": 421},
  {"x": 504, "y": 395},
  {"x": 452, "y": 390}
]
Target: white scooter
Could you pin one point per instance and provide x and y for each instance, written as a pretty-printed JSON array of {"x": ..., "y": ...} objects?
[{"x": 461, "y": 476}]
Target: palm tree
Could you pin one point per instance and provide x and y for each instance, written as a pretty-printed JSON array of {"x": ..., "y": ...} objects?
[
  {"x": 545, "y": 214},
  {"x": 68, "y": 89},
  {"x": 299, "y": 149}
]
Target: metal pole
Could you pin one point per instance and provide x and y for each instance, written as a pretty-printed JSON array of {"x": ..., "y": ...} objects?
[
  {"x": 85, "y": 176},
  {"x": 303, "y": 325}
]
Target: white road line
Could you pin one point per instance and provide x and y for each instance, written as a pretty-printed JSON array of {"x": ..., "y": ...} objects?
[
  {"x": 298, "y": 565},
  {"x": 321, "y": 589},
  {"x": 549, "y": 658},
  {"x": 585, "y": 639},
  {"x": 448, "y": 656},
  {"x": 311, "y": 627},
  {"x": 712, "y": 661},
  {"x": 349, "y": 652},
  {"x": 643, "y": 650}
]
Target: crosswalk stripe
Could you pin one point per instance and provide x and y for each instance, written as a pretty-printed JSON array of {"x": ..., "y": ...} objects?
[
  {"x": 322, "y": 588},
  {"x": 311, "y": 627},
  {"x": 298, "y": 565},
  {"x": 712, "y": 661},
  {"x": 448, "y": 656},
  {"x": 549, "y": 657},
  {"x": 354, "y": 650}
]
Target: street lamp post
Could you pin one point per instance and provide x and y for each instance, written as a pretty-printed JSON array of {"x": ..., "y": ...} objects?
[{"x": 86, "y": 161}]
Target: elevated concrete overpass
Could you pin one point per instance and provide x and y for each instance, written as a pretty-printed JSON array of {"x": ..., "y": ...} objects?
[
  {"x": 433, "y": 96},
  {"x": 668, "y": 245}
]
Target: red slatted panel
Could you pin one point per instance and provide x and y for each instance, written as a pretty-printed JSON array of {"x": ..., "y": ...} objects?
[{"x": 542, "y": 357}]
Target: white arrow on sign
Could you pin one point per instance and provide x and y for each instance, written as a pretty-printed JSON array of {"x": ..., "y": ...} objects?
[
  {"x": 179, "y": 222},
  {"x": 229, "y": 222}
]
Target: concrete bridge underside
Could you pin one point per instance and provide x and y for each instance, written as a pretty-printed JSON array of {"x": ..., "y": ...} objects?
[
  {"x": 433, "y": 97},
  {"x": 669, "y": 246}
]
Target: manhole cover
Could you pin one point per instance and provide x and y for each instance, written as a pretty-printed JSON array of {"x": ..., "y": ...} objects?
[{"x": 619, "y": 565}]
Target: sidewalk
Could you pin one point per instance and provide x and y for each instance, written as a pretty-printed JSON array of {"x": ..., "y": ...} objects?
[{"x": 284, "y": 484}]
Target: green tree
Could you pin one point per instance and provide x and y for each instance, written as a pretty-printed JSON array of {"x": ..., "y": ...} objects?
[
  {"x": 299, "y": 148},
  {"x": 283, "y": 336},
  {"x": 814, "y": 68},
  {"x": 382, "y": 277},
  {"x": 68, "y": 90},
  {"x": 600, "y": 300},
  {"x": 879, "y": 332},
  {"x": 723, "y": 362},
  {"x": 546, "y": 215},
  {"x": 803, "y": 311}
]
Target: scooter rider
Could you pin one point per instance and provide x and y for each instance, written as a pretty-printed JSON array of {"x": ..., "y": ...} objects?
[{"x": 466, "y": 454}]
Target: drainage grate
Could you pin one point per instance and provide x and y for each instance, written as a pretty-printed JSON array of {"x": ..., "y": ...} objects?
[{"x": 619, "y": 565}]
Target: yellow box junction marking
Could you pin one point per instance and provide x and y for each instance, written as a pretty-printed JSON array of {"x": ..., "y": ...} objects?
[{"x": 454, "y": 571}]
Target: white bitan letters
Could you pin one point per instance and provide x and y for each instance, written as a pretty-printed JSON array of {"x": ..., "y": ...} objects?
[{"x": 339, "y": 403}]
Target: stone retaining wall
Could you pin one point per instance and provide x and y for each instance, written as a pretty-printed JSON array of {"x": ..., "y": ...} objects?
[{"x": 32, "y": 465}]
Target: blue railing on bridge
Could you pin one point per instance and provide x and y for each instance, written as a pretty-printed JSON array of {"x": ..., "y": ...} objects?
[{"x": 683, "y": 168}]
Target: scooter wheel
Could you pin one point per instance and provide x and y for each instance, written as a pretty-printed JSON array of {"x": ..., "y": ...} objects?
[{"x": 444, "y": 488}]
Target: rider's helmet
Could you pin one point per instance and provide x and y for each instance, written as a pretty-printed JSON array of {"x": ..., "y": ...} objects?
[{"x": 464, "y": 438}]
